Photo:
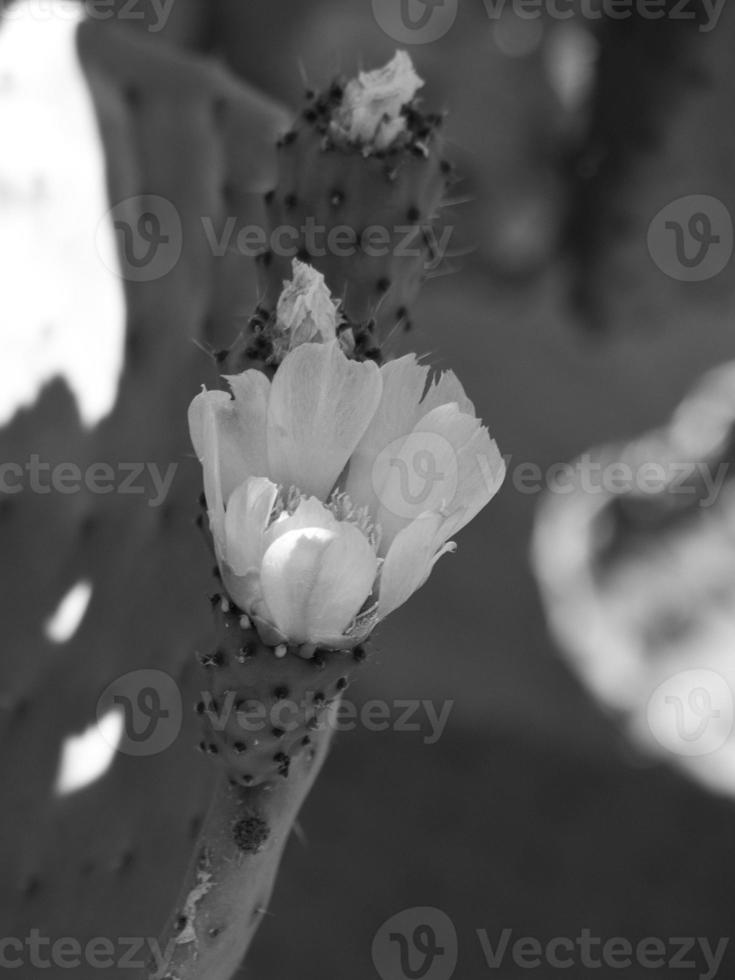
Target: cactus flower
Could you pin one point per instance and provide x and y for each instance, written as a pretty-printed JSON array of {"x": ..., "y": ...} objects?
[
  {"x": 370, "y": 114},
  {"x": 423, "y": 469},
  {"x": 304, "y": 575},
  {"x": 320, "y": 527}
]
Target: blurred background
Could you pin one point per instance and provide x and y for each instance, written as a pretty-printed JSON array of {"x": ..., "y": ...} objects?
[{"x": 580, "y": 640}]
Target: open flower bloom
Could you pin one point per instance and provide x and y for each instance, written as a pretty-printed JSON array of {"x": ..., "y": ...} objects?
[
  {"x": 371, "y": 115},
  {"x": 333, "y": 489}
]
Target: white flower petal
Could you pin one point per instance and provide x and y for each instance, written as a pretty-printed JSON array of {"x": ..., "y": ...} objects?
[
  {"x": 408, "y": 396},
  {"x": 404, "y": 383},
  {"x": 310, "y": 512},
  {"x": 409, "y": 561},
  {"x": 243, "y": 590},
  {"x": 241, "y": 429},
  {"x": 315, "y": 581},
  {"x": 445, "y": 388},
  {"x": 448, "y": 463},
  {"x": 246, "y": 520},
  {"x": 199, "y": 410},
  {"x": 421, "y": 472},
  {"x": 481, "y": 474},
  {"x": 251, "y": 392},
  {"x": 204, "y": 431},
  {"x": 320, "y": 405}
]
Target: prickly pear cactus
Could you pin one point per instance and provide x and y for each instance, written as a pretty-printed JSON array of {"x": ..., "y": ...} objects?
[
  {"x": 107, "y": 861},
  {"x": 315, "y": 544},
  {"x": 128, "y": 821},
  {"x": 287, "y": 697},
  {"x": 365, "y": 212}
]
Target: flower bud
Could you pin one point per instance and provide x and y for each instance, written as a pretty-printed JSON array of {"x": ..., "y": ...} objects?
[{"x": 371, "y": 113}]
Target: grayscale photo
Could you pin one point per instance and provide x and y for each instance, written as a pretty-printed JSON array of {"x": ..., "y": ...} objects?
[{"x": 367, "y": 489}]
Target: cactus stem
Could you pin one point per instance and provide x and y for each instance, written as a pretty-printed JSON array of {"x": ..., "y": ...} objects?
[{"x": 229, "y": 883}]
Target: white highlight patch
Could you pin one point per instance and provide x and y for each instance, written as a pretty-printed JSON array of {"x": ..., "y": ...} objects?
[
  {"x": 86, "y": 758},
  {"x": 69, "y": 613},
  {"x": 571, "y": 63},
  {"x": 61, "y": 312}
]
